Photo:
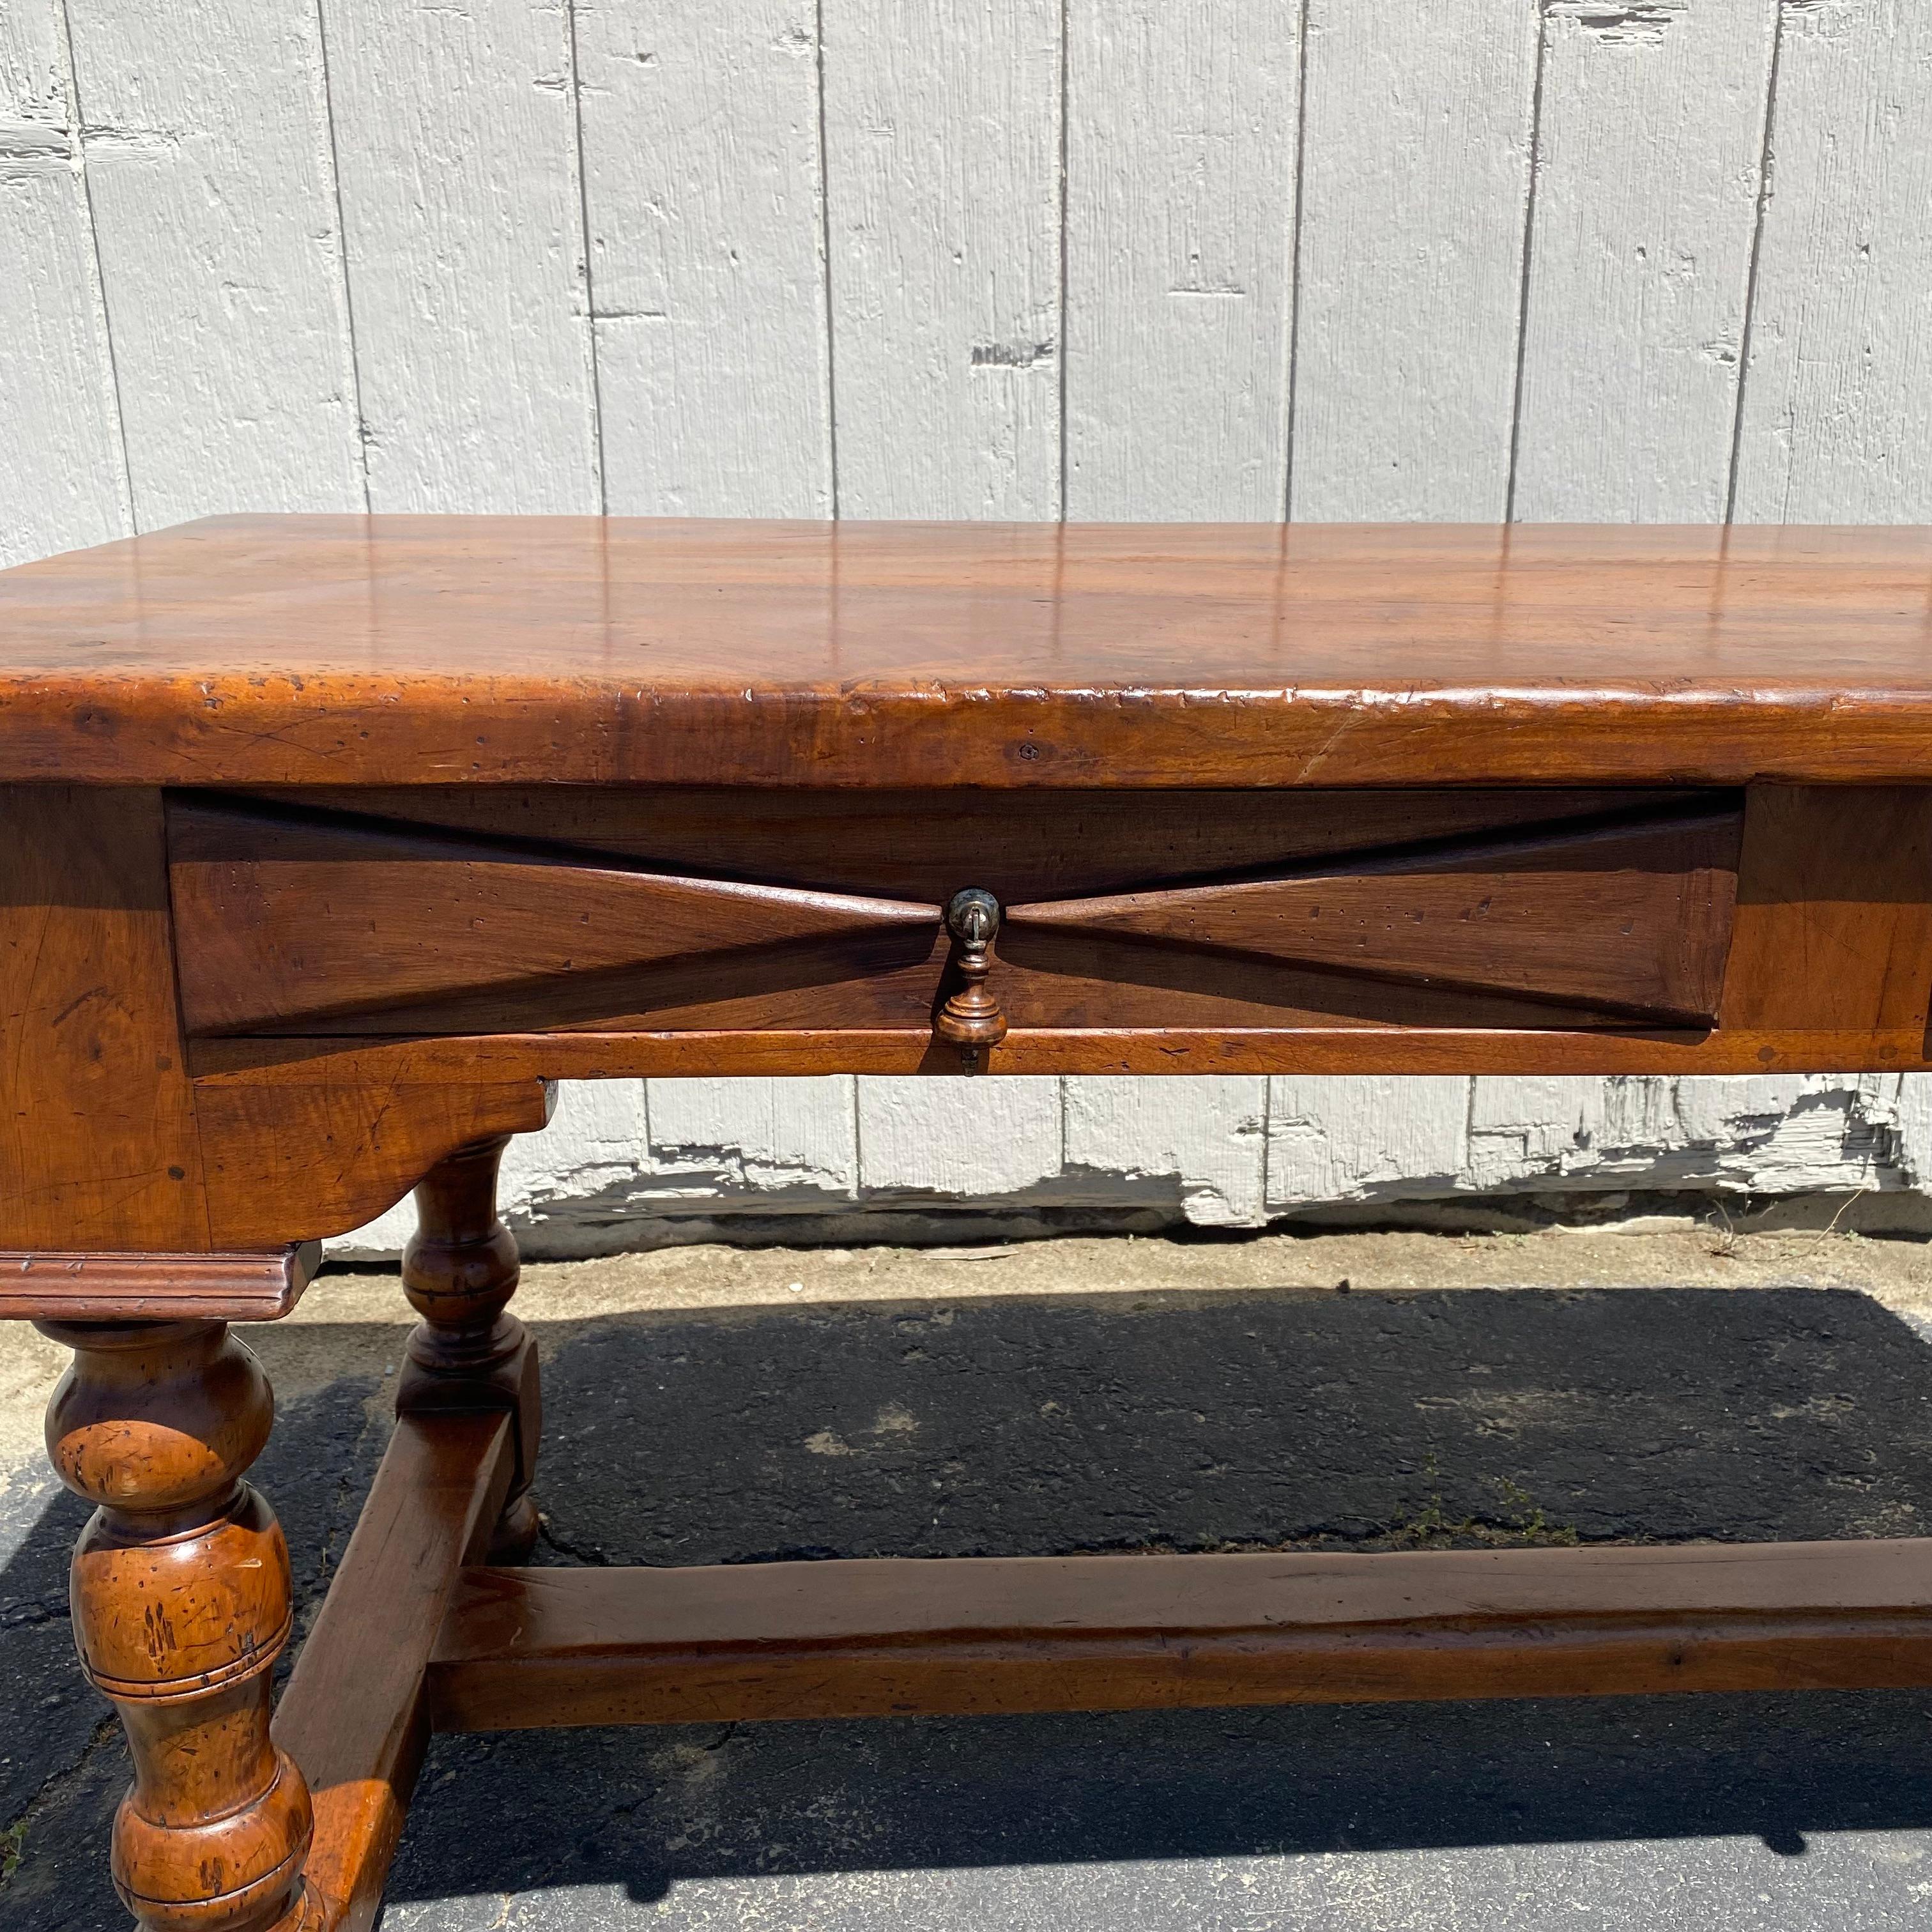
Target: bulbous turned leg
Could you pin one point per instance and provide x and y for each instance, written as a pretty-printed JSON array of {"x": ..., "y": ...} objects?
[
  {"x": 459, "y": 1271},
  {"x": 182, "y": 1603}
]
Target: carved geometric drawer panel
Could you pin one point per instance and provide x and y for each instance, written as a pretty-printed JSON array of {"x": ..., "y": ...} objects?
[
  {"x": 758, "y": 911},
  {"x": 1631, "y": 918},
  {"x": 283, "y": 921}
]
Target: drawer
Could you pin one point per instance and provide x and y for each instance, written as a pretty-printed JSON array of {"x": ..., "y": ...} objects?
[{"x": 460, "y": 910}]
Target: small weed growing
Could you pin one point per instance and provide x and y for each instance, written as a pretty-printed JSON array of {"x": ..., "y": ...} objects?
[{"x": 1517, "y": 1523}]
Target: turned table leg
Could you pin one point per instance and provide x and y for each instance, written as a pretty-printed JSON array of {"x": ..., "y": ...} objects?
[
  {"x": 182, "y": 1603},
  {"x": 459, "y": 1271}
]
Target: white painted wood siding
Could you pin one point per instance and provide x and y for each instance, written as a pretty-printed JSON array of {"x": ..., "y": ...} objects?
[
  {"x": 1837, "y": 395},
  {"x": 1416, "y": 172},
  {"x": 943, "y": 227},
  {"x": 455, "y": 134},
  {"x": 1650, "y": 162},
  {"x": 1181, "y": 144},
  {"x": 213, "y": 193},
  {"x": 63, "y": 468},
  {"x": 703, "y": 180},
  {"x": 1624, "y": 259}
]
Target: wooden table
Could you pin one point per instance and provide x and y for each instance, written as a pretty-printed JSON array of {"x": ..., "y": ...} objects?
[{"x": 327, "y": 843}]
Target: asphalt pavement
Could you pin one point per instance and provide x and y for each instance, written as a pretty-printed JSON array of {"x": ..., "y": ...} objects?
[{"x": 1045, "y": 1421}]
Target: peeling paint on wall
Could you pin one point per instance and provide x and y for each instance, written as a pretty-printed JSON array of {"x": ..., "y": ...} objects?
[
  {"x": 878, "y": 1158},
  {"x": 1643, "y": 25}
]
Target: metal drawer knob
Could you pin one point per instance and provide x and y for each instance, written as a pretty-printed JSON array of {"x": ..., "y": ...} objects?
[{"x": 971, "y": 1019}]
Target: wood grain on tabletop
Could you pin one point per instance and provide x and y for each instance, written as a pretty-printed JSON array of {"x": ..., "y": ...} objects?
[{"x": 407, "y": 650}]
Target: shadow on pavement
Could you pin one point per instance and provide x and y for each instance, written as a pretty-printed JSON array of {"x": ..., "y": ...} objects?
[{"x": 1023, "y": 1426}]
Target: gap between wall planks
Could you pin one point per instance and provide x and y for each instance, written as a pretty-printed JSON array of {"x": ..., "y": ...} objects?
[{"x": 1056, "y": 257}]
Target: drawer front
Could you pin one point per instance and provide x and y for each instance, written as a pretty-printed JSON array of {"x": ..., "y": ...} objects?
[{"x": 461, "y": 911}]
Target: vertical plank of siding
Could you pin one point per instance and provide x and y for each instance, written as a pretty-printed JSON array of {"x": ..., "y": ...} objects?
[
  {"x": 942, "y": 137},
  {"x": 62, "y": 481},
  {"x": 702, "y": 188},
  {"x": 1181, "y": 142},
  {"x": 1650, "y": 166},
  {"x": 1362, "y": 1136},
  {"x": 943, "y": 133},
  {"x": 702, "y": 179},
  {"x": 1415, "y": 183},
  {"x": 793, "y": 1136},
  {"x": 1204, "y": 1137},
  {"x": 967, "y": 1137},
  {"x": 1837, "y": 421},
  {"x": 214, "y": 197},
  {"x": 456, "y": 137},
  {"x": 1652, "y": 142},
  {"x": 1181, "y": 162},
  {"x": 1835, "y": 418}
]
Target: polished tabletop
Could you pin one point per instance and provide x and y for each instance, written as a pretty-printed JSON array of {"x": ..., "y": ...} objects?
[{"x": 404, "y": 649}]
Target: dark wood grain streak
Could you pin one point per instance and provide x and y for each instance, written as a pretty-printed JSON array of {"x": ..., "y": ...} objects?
[
  {"x": 897, "y": 1637},
  {"x": 408, "y": 650}
]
